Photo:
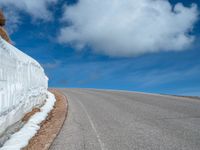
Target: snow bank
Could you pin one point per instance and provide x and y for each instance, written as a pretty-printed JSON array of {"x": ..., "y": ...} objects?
[
  {"x": 23, "y": 85},
  {"x": 21, "y": 138}
]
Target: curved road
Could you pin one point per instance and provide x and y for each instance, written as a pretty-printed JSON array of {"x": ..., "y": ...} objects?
[{"x": 117, "y": 120}]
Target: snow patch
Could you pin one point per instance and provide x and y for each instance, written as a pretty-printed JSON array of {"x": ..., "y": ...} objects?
[
  {"x": 22, "y": 137},
  {"x": 23, "y": 85}
]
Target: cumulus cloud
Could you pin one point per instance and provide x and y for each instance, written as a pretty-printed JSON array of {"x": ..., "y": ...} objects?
[
  {"x": 37, "y": 8},
  {"x": 130, "y": 27}
]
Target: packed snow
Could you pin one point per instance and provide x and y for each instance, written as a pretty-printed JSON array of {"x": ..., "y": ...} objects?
[
  {"x": 22, "y": 137},
  {"x": 23, "y": 86}
]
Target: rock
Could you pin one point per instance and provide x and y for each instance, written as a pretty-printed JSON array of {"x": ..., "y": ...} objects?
[
  {"x": 3, "y": 32},
  {"x": 2, "y": 19}
]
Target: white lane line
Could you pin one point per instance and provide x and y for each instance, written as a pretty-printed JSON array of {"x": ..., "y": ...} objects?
[{"x": 102, "y": 145}]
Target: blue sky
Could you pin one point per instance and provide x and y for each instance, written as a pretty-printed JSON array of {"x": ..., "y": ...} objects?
[{"x": 169, "y": 71}]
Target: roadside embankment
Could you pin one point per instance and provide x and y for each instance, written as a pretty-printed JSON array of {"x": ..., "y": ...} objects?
[
  {"x": 21, "y": 138},
  {"x": 51, "y": 126}
]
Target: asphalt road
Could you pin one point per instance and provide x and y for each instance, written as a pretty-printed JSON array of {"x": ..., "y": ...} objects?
[{"x": 116, "y": 120}]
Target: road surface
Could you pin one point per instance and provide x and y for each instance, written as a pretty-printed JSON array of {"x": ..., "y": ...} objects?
[{"x": 117, "y": 120}]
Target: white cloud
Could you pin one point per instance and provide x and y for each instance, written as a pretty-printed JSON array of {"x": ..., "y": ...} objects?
[
  {"x": 13, "y": 20},
  {"x": 38, "y": 9},
  {"x": 52, "y": 65},
  {"x": 128, "y": 27}
]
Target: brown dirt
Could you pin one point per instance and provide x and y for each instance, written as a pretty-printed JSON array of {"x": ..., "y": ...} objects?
[
  {"x": 4, "y": 34},
  {"x": 51, "y": 126},
  {"x": 28, "y": 115}
]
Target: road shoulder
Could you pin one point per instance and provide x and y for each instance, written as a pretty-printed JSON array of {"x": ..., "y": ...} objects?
[{"x": 51, "y": 127}]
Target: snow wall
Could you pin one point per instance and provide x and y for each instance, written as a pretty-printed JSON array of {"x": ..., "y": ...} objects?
[{"x": 23, "y": 85}]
